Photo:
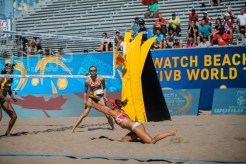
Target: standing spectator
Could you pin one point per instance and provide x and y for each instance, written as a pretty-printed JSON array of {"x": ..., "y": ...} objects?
[
  {"x": 168, "y": 41},
  {"x": 135, "y": 27},
  {"x": 207, "y": 19},
  {"x": 117, "y": 40},
  {"x": 229, "y": 10},
  {"x": 217, "y": 2},
  {"x": 204, "y": 31},
  {"x": 190, "y": 43},
  {"x": 146, "y": 32},
  {"x": 160, "y": 24},
  {"x": 192, "y": 31},
  {"x": 222, "y": 38},
  {"x": 174, "y": 24},
  {"x": 193, "y": 16},
  {"x": 241, "y": 22},
  {"x": 152, "y": 10},
  {"x": 204, "y": 43},
  {"x": 159, "y": 40},
  {"x": 228, "y": 25}
]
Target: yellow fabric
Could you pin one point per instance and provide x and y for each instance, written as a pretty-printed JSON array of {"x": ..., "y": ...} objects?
[
  {"x": 176, "y": 21},
  {"x": 135, "y": 56}
]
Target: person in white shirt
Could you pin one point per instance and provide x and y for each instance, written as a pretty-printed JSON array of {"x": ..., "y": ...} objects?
[
  {"x": 241, "y": 20},
  {"x": 204, "y": 43}
]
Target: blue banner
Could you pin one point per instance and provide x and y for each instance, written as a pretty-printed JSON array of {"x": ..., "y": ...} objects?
[
  {"x": 203, "y": 68},
  {"x": 182, "y": 102},
  {"x": 229, "y": 101}
]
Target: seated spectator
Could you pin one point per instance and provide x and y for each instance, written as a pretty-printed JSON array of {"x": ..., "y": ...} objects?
[
  {"x": 160, "y": 24},
  {"x": 168, "y": 41},
  {"x": 217, "y": 2},
  {"x": 105, "y": 46},
  {"x": 228, "y": 25},
  {"x": 241, "y": 22},
  {"x": 174, "y": 24},
  {"x": 218, "y": 25},
  {"x": 193, "y": 16},
  {"x": 159, "y": 40},
  {"x": 222, "y": 38},
  {"x": 152, "y": 10},
  {"x": 192, "y": 31},
  {"x": 207, "y": 19},
  {"x": 204, "y": 31},
  {"x": 190, "y": 43},
  {"x": 47, "y": 52},
  {"x": 135, "y": 27},
  {"x": 204, "y": 43},
  {"x": 177, "y": 44},
  {"x": 117, "y": 41},
  {"x": 60, "y": 51}
]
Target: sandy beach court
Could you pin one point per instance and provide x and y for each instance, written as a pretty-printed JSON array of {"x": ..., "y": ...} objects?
[{"x": 199, "y": 139}]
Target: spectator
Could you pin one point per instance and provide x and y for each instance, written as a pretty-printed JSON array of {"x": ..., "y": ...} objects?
[
  {"x": 135, "y": 27},
  {"x": 105, "y": 46},
  {"x": 218, "y": 25},
  {"x": 229, "y": 10},
  {"x": 22, "y": 41},
  {"x": 177, "y": 44},
  {"x": 146, "y": 32},
  {"x": 217, "y": 2},
  {"x": 152, "y": 10},
  {"x": 228, "y": 25},
  {"x": 168, "y": 41},
  {"x": 118, "y": 40},
  {"x": 159, "y": 40},
  {"x": 174, "y": 24},
  {"x": 241, "y": 22},
  {"x": 160, "y": 24},
  {"x": 192, "y": 31},
  {"x": 47, "y": 52},
  {"x": 222, "y": 38},
  {"x": 204, "y": 31},
  {"x": 207, "y": 19},
  {"x": 193, "y": 16},
  {"x": 190, "y": 43},
  {"x": 61, "y": 52},
  {"x": 204, "y": 43}
]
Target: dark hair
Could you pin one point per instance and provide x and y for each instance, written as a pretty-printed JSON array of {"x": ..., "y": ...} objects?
[
  {"x": 121, "y": 103},
  {"x": 92, "y": 66}
]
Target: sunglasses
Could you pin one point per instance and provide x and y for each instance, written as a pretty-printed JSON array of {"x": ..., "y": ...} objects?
[{"x": 93, "y": 70}]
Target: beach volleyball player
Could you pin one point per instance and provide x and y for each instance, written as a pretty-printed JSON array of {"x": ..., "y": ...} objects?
[
  {"x": 137, "y": 130},
  {"x": 94, "y": 82},
  {"x": 5, "y": 87}
]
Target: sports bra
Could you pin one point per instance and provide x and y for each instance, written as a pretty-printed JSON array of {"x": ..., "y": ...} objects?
[
  {"x": 94, "y": 85},
  {"x": 121, "y": 116}
]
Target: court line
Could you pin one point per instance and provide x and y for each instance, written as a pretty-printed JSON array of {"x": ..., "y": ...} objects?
[{"x": 120, "y": 158}]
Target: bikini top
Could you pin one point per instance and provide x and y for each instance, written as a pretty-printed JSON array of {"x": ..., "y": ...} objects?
[
  {"x": 94, "y": 85},
  {"x": 6, "y": 83},
  {"x": 121, "y": 116}
]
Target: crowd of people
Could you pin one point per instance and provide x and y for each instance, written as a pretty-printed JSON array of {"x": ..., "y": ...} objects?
[{"x": 202, "y": 31}]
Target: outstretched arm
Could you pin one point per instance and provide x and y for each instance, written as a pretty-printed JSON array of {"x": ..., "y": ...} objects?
[{"x": 103, "y": 109}]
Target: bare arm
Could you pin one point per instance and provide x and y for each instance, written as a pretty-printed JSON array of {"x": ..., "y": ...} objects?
[
  {"x": 104, "y": 89},
  {"x": 85, "y": 91},
  {"x": 103, "y": 109}
]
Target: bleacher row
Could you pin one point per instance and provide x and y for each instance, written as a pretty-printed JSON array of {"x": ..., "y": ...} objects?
[{"x": 90, "y": 18}]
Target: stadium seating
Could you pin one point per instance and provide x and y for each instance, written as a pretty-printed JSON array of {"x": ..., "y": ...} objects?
[{"x": 90, "y": 18}]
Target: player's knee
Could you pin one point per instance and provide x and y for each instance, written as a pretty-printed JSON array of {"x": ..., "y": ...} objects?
[{"x": 14, "y": 116}]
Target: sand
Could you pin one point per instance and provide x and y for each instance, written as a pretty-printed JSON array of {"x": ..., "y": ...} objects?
[{"x": 200, "y": 139}]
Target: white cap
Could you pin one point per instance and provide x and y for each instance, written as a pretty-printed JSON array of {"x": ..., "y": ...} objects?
[{"x": 227, "y": 14}]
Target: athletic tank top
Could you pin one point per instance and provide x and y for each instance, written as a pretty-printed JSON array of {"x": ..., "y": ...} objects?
[{"x": 6, "y": 83}]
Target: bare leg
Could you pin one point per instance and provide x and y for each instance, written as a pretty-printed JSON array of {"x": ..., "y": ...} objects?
[
  {"x": 129, "y": 137},
  {"x": 81, "y": 117},
  {"x": 145, "y": 137},
  {"x": 1, "y": 113},
  {"x": 7, "y": 107}
]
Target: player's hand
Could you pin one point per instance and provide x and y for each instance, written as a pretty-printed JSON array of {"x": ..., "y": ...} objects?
[{"x": 105, "y": 99}]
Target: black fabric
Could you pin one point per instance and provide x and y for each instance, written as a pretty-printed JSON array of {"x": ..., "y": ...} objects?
[{"x": 155, "y": 104}]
